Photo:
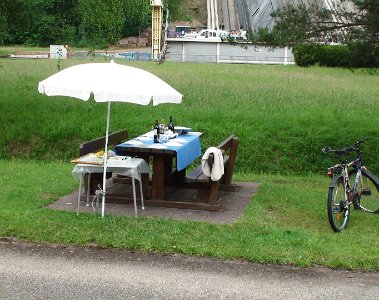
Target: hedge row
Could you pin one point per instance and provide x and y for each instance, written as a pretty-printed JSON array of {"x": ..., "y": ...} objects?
[{"x": 357, "y": 56}]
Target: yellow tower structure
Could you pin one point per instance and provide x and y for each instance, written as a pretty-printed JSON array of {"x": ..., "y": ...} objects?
[{"x": 156, "y": 27}]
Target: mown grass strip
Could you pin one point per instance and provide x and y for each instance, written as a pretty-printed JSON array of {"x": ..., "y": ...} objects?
[{"x": 285, "y": 223}]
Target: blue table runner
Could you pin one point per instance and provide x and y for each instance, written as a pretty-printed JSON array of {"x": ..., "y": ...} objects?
[{"x": 186, "y": 153}]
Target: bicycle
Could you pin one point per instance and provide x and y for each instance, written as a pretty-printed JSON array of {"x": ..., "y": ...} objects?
[{"x": 363, "y": 194}]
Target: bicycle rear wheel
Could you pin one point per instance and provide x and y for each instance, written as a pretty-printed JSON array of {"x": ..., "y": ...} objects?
[
  {"x": 338, "y": 210},
  {"x": 368, "y": 192}
]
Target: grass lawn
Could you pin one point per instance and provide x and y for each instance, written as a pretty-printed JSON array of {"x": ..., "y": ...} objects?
[
  {"x": 285, "y": 223},
  {"x": 283, "y": 115}
]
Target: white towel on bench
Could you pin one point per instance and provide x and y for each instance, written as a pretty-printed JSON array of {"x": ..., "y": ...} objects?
[{"x": 215, "y": 171}]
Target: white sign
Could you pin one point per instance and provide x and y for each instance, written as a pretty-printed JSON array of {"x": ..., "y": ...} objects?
[
  {"x": 156, "y": 3},
  {"x": 58, "y": 52}
]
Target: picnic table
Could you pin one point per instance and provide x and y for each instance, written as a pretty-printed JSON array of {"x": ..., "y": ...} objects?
[
  {"x": 169, "y": 161},
  {"x": 169, "y": 185}
]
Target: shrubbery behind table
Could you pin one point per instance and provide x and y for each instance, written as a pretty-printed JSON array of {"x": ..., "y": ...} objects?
[
  {"x": 162, "y": 155},
  {"x": 126, "y": 166}
]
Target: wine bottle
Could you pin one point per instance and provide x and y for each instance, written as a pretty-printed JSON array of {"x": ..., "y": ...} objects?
[
  {"x": 156, "y": 131},
  {"x": 171, "y": 125}
]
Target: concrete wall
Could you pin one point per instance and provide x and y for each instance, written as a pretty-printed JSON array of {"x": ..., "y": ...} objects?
[
  {"x": 260, "y": 10},
  {"x": 218, "y": 52}
]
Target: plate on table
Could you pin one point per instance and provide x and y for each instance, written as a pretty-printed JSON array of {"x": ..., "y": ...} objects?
[
  {"x": 182, "y": 130},
  {"x": 194, "y": 133},
  {"x": 117, "y": 161},
  {"x": 118, "y": 158},
  {"x": 144, "y": 138},
  {"x": 133, "y": 142}
]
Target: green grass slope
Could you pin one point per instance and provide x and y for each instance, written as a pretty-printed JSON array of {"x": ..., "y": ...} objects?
[{"x": 283, "y": 115}]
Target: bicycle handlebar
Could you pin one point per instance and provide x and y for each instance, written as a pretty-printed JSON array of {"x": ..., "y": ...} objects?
[{"x": 355, "y": 147}]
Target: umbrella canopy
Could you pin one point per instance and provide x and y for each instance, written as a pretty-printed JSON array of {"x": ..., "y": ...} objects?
[{"x": 109, "y": 82}]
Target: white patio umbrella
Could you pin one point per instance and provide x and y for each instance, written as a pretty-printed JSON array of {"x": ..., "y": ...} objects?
[{"x": 109, "y": 82}]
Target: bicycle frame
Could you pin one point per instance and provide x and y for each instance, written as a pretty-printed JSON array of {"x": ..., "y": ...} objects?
[{"x": 351, "y": 192}]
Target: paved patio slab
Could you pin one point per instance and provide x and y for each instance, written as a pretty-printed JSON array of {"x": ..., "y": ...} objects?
[{"x": 233, "y": 204}]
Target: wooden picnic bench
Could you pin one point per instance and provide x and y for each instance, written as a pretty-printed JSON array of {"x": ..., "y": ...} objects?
[
  {"x": 207, "y": 190},
  {"x": 96, "y": 145},
  {"x": 206, "y": 195}
]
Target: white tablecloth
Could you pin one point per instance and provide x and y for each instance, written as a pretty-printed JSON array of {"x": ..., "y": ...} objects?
[{"x": 127, "y": 166}]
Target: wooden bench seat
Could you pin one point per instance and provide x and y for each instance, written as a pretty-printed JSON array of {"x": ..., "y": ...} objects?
[
  {"x": 96, "y": 145},
  {"x": 208, "y": 189}
]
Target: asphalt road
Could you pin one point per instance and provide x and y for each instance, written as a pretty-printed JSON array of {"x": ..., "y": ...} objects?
[{"x": 29, "y": 271}]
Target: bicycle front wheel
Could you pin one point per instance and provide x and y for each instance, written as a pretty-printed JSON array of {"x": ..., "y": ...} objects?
[
  {"x": 368, "y": 192},
  {"x": 338, "y": 209}
]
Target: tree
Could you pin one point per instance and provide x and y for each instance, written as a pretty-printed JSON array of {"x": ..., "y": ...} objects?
[
  {"x": 299, "y": 23},
  {"x": 37, "y": 22},
  {"x": 83, "y": 23},
  {"x": 138, "y": 15},
  {"x": 102, "y": 20}
]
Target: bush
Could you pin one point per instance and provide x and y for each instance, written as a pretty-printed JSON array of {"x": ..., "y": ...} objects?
[
  {"x": 364, "y": 55},
  {"x": 304, "y": 55},
  {"x": 334, "y": 56},
  {"x": 331, "y": 56},
  {"x": 352, "y": 56}
]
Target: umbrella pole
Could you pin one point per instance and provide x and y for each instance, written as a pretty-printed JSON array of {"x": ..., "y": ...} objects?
[{"x": 105, "y": 162}]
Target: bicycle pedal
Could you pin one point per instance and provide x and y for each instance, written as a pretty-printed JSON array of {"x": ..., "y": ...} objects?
[{"x": 366, "y": 192}]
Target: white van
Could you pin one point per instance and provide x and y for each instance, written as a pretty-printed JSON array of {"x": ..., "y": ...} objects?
[
  {"x": 208, "y": 34},
  {"x": 211, "y": 33}
]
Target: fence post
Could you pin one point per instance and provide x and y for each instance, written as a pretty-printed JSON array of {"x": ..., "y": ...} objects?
[
  {"x": 183, "y": 52},
  {"x": 218, "y": 52},
  {"x": 286, "y": 55}
]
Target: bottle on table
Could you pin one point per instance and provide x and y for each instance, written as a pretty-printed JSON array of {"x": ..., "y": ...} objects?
[
  {"x": 171, "y": 125},
  {"x": 163, "y": 127},
  {"x": 156, "y": 131}
]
